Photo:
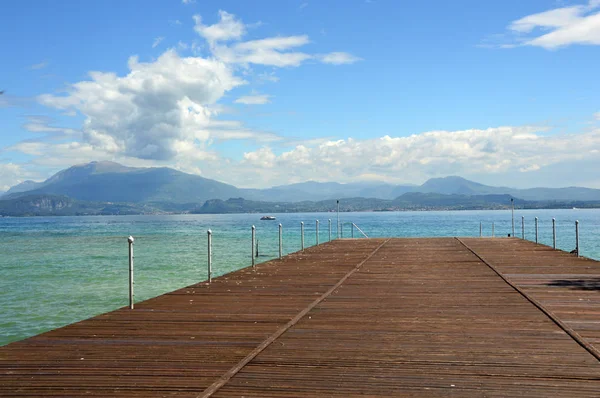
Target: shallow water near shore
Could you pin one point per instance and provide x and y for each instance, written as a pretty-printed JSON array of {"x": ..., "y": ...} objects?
[{"x": 59, "y": 270}]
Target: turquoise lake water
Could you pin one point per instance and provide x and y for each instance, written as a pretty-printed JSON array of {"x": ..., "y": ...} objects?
[{"x": 58, "y": 270}]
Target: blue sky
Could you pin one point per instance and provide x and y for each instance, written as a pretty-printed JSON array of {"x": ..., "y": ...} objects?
[{"x": 272, "y": 92}]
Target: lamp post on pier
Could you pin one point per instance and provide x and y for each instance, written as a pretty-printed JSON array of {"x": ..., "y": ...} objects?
[{"x": 512, "y": 204}]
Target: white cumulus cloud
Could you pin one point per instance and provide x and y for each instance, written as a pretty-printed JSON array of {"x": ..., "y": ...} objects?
[
  {"x": 513, "y": 154},
  {"x": 258, "y": 99},
  {"x": 12, "y": 174},
  {"x": 153, "y": 109},
  {"x": 421, "y": 156},
  {"x": 559, "y": 27},
  {"x": 228, "y": 28},
  {"x": 165, "y": 108},
  {"x": 167, "y": 111},
  {"x": 262, "y": 158},
  {"x": 273, "y": 51},
  {"x": 43, "y": 124},
  {"x": 224, "y": 38},
  {"x": 339, "y": 58}
]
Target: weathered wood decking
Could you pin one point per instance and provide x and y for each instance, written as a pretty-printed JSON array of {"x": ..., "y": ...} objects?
[{"x": 399, "y": 317}]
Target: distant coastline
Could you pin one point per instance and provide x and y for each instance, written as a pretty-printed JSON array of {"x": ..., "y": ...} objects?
[{"x": 54, "y": 205}]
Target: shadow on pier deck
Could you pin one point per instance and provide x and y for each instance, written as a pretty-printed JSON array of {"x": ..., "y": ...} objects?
[{"x": 398, "y": 317}]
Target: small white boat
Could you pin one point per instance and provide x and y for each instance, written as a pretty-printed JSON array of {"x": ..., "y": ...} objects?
[{"x": 267, "y": 218}]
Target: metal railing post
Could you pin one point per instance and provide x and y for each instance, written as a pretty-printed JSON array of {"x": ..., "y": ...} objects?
[
  {"x": 280, "y": 241},
  {"x": 342, "y": 230},
  {"x": 523, "y": 227},
  {"x": 554, "y": 233},
  {"x": 536, "y": 230},
  {"x": 352, "y": 230},
  {"x": 130, "y": 241},
  {"x": 302, "y": 235},
  {"x": 493, "y": 232},
  {"x": 253, "y": 244},
  {"x": 480, "y": 229},
  {"x": 512, "y": 203},
  {"x": 317, "y": 231},
  {"x": 209, "y": 234},
  {"x": 338, "y": 219},
  {"x": 577, "y": 237},
  {"x": 330, "y": 229}
]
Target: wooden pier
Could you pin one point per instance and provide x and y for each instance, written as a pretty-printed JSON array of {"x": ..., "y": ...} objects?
[{"x": 447, "y": 317}]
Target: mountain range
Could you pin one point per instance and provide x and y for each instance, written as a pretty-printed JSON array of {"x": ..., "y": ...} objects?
[{"x": 171, "y": 190}]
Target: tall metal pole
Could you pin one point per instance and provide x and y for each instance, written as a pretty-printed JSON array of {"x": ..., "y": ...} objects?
[
  {"x": 130, "y": 240},
  {"x": 554, "y": 233},
  {"x": 253, "y": 244},
  {"x": 338, "y": 219},
  {"x": 577, "y": 237},
  {"x": 512, "y": 203},
  {"x": 480, "y": 229},
  {"x": 317, "y": 231},
  {"x": 302, "y": 235},
  {"x": 536, "y": 230},
  {"x": 330, "y": 229},
  {"x": 209, "y": 234},
  {"x": 523, "y": 227},
  {"x": 280, "y": 241},
  {"x": 493, "y": 230}
]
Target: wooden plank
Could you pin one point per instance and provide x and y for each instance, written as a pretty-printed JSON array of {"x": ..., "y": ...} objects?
[
  {"x": 564, "y": 284},
  {"x": 420, "y": 317}
]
